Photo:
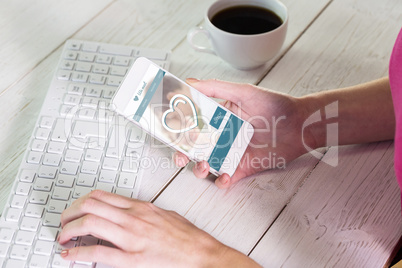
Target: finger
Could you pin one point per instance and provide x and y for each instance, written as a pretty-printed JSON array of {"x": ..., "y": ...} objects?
[
  {"x": 101, "y": 254},
  {"x": 201, "y": 169},
  {"x": 112, "y": 199},
  {"x": 180, "y": 159},
  {"x": 88, "y": 205},
  {"x": 223, "y": 181},
  {"x": 222, "y": 89},
  {"x": 95, "y": 226}
]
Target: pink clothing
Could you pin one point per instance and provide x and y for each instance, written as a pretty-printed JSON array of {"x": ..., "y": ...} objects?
[{"x": 395, "y": 80}]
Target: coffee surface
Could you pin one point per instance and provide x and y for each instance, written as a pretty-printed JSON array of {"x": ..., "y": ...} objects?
[{"x": 246, "y": 20}]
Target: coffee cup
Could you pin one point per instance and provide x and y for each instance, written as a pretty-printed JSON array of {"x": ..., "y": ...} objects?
[{"x": 244, "y": 33}]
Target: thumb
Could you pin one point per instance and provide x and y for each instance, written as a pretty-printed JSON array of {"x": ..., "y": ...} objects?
[{"x": 221, "y": 89}]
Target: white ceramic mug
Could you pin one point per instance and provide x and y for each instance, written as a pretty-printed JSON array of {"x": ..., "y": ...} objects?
[{"x": 242, "y": 51}]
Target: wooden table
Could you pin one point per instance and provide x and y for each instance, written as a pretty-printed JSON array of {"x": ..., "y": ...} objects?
[{"x": 307, "y": 215}]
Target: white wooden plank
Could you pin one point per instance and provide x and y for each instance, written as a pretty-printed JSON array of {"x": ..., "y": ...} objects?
[
  {"x": 239, "y": 215},
  {"x": 123, "y": 22},
  {"x": 30, "y": 31},
  {"x": 341, "y": 217},
  {"x": 191, "y": 63},
  {"x": 333, "y": 64},
  {"x": 355, "y": 49},
  {"x": 251, "y": 205}
]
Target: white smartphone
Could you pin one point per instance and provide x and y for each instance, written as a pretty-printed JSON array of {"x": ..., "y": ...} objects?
[{"x": 180, "y": 116}]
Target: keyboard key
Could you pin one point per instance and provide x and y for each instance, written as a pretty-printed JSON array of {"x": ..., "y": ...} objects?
[
  {"x": 119, "y": 71},
  {"x": 108, "y": 176},
  {"x": 101, "y": 68},
  {"x": 114, "y": 81},
  {"x": 110, "y": 163},
  {"x": 80, "y": 191},
  {"x": 68, "y": 245},
  {"x": 18, "y": 201},
  {"x": 59, "y": 262},
  {"x": 73, "y": 156},
  {"x": 38, "y": 145},
  {"x": 34, "y": 157},
  {"x": 126, "y": 180},
  {"x": 27, "y": 175},
  {"x": 34, "y": 210},
  {"x": 83, "y": 67},
  {"x": 122, "y": 61},
  {"x": 85, "y": 129},
  {"x": 61, "y": 193},
  {"x": 38, "y": 197},
  {"x": 51, "y": 159},
  {"x": 70, "y": 55},
  {"x": 56, "y": 147},
  {"x": 89, "y": 167},
  {"x": 97, "y": 79},
  {"x": 56, "y": 206},
  {"x": 63, "y": 75},
  {"x": 76, "y": 89},
  {"x": 67, "y": 65},
  {"x": 90, "y": 57},
  {"x": 23, "y": 188},
  {"x": 48, "y": 233},
  {"x": 13, "y": 214},
  {"x": 25, "y": 237},
  {"x": 90, "y": 47},
  {"x": 43, "y": 248},
  {"x": 52, "y": 219},
  {"x": 80, "y": 77},
  {"x": 69, "y": 168},
  {"x": 65, "y": 180},
  {"x": 117, "y": 50},
  {"x": 4, "y": 249},
  {"x": 6, "y": 235},
  {"x": 19, "y": 252},
  {"x": 46, "y": 122},
  {"x": 86, "y": 180},
  {"x": 105, "y": 59},
  {"x": 14, "y": 264},
  {"x": 42, "y": 133},
  {"x": 47, "y": 172},
  {"x": 43, "y": 185},
  {"x": 61, "y": 130},
  {"x": 29, "y": 224},
  {"x": 71, "y": 99},
  {"x": 38, "y": 261}
]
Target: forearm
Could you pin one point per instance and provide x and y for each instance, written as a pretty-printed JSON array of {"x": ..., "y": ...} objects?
[{"x": 364, "y": 113}]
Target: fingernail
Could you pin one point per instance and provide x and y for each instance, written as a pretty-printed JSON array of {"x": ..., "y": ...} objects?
[
  {"x": 64, "y": 253},
  {"x": 201, "y": 167},
  {"x": 192, "y": 80},
  {"x": 224, "y": 180}
]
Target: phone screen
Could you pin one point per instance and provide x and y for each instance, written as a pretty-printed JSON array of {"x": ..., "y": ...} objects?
[{"x": 181, "y": 117}]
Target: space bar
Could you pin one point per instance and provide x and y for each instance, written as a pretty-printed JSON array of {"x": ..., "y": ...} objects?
[{"x": 86, "y": 129}]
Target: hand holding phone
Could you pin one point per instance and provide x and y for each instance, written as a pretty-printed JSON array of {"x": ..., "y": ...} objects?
[{"x": 182, "y": 117}]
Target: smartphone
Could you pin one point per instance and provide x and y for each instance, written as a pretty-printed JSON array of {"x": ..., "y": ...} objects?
[{"x": 180, "y": 116}]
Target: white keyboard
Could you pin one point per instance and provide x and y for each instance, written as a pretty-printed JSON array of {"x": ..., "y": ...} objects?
[{"x": 78, "y": 145}]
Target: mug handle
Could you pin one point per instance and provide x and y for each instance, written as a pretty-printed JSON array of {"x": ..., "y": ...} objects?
[{"x": 193, "y": 32}]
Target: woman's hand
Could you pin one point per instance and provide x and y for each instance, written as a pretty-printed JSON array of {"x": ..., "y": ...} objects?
[
  {"x": 144, "y": 235},
  {"x": 277, "y": 120}
]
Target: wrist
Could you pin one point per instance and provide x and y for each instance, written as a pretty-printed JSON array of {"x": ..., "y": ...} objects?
[
  {"x": 314, "y": 125},
  {"x": 233, "y": 258},
  {"x": 216, "y": 254}
]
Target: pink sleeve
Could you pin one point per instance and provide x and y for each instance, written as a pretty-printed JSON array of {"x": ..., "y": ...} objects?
[{"x": 395, "y": 79}]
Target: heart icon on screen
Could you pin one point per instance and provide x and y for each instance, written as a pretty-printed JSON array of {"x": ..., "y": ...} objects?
[
  {"x": 176, "y": 100},
  {"x": 136, "y": 98}
]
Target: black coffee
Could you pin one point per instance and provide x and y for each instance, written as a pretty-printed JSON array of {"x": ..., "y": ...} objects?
[{"x": 246, "y": 20}]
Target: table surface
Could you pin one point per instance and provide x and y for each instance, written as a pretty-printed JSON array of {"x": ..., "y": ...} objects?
[{"x": 309, "y": 214}]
